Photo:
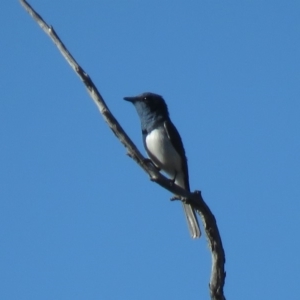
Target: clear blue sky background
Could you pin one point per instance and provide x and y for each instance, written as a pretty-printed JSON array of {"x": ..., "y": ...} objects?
[{"x": 79, "y": 219}]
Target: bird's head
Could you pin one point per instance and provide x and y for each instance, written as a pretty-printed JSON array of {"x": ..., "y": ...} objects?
[{"x": 149, "y": 105}]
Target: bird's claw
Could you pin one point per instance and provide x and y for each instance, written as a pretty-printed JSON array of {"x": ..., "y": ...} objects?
[{"x": 148, "y": 161}]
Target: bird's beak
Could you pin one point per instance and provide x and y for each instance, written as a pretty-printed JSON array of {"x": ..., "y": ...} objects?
[{"x": 130, "y": 99}]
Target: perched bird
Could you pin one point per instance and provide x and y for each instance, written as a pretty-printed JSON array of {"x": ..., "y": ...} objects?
[{"x": 164, "y": 146}]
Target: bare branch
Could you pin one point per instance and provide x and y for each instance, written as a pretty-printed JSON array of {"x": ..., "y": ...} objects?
[{"x": 218, "y": 274}]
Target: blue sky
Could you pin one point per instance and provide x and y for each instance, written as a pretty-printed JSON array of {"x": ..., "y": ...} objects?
[{"x": 79, "y": 219}]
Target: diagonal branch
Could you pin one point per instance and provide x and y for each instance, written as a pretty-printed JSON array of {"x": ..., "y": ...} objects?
[{"x": 218, "y": 274}]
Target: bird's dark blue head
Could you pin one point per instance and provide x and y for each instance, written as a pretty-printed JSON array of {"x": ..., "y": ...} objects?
[{"x": 150, "y": 107}]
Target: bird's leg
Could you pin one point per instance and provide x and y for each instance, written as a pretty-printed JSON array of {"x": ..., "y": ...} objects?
[
  {"x": 172, "y": 181},
  {"x": 149, "y": 161}
]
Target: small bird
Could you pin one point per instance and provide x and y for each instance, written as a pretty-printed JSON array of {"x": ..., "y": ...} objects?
[{"x": 164, "y": 146}]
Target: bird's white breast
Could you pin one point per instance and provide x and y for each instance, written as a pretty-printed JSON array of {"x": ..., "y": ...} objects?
[{"x": 162, "y": 152}]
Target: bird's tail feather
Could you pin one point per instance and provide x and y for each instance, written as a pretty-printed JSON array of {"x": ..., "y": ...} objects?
[{"x": 192, "y": 221}]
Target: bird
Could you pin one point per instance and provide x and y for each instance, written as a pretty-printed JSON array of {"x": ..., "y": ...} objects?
[{"x": 164, "y": 146}]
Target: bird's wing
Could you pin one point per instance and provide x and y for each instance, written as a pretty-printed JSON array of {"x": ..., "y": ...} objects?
[{"x": 176, "y": 141}]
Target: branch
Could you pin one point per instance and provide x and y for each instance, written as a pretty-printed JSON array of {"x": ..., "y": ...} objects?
[{"x": 218, "y": 274}]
